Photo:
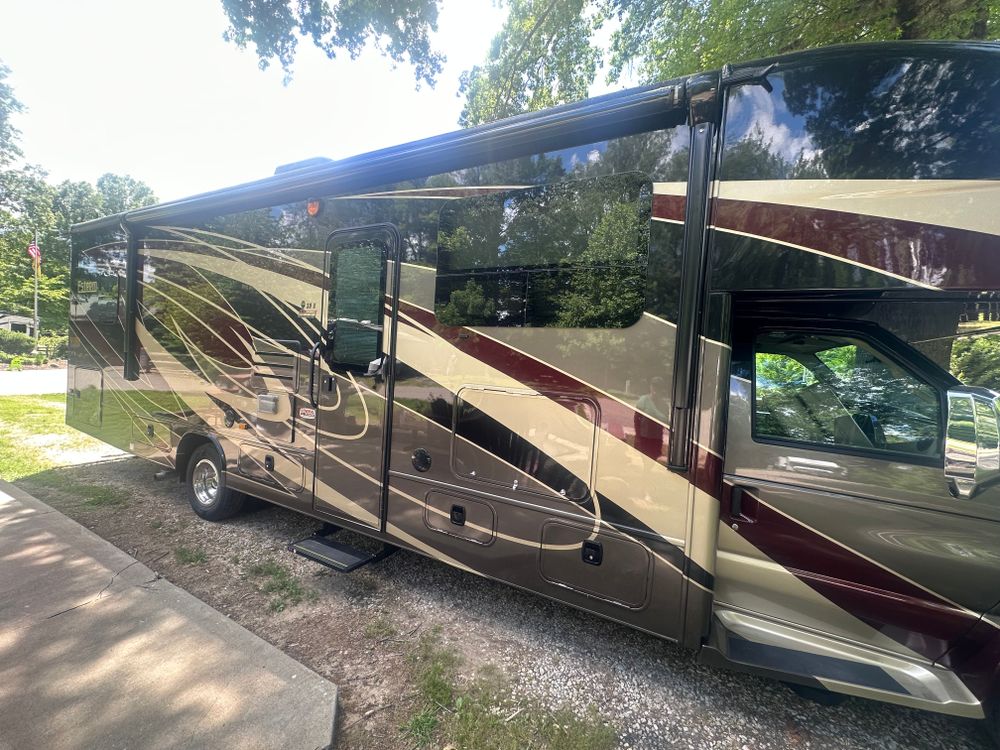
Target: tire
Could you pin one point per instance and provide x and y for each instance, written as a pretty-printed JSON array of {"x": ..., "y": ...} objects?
[
  {"x": 993, "y": 722},
  {"x": 207, "y": 491}
]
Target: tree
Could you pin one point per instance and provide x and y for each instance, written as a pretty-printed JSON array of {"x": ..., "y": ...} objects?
[
  {"x": 544, "y": 55},
  {"x": 975, "y": 360},
  {"x": 30, "y": 206},
  {"x": 123, "y": 193},
  {"x": 546, "y": 52},
  {"x": 400, "y": 29},
  {"x": 9, "y": 105}
]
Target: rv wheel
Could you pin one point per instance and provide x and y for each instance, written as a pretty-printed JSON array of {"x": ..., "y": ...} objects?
[{"x": 206, "y": 486}]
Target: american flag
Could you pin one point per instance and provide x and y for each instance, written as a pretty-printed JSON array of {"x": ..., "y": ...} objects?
[{"x": 35, "y": 253}]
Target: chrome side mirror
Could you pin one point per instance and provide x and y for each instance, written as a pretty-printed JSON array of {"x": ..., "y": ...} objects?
[{"x": 972, "y": 439}]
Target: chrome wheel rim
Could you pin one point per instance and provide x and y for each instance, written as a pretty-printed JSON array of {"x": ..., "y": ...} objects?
[{"x": 205, "y": 481}]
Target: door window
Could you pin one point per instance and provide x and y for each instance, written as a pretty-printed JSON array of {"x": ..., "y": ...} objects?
[
  {"x": 355, "y": 324},
  {"x": 834, "y": 390}
]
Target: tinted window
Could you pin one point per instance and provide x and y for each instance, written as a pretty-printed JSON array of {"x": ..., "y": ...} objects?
[
  {"x": 974, "y": 356},
  {"x": 833, "y": 390},
  {"x": 961, "y": 336},
  {"x": 568, "y": 254},
  {"x": 869, "y": 116},
  {"x": 356, "y": 303},
  {"x": 99, "y": 281}
]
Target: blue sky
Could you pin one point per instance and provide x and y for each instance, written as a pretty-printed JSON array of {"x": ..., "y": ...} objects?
[{"x": 151, "y": 89}]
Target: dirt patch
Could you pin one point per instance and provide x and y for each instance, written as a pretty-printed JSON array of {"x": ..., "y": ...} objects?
[{"x": 360, "y": 631}]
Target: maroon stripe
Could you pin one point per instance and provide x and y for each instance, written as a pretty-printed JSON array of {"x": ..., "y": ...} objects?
[
  {"x": 930, "y": 254},
  {"x": 669, "y": 206},
  {"x": 919, "y": 619},
  {"x": 976, "y": 661},
  {"x": 616, "y": 417},
  {"x": 707, "y": 473}
]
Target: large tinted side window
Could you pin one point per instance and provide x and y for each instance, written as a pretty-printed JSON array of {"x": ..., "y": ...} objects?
[
  {"x": 567, "y": 254},
  {"x": 833, "y": 390},
  {"x": 870, "y": 116}
]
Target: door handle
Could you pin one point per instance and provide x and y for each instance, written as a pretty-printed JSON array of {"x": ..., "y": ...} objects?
[
  {"x": 312, "y": 374},
  {"x": 743, "y": 504}
]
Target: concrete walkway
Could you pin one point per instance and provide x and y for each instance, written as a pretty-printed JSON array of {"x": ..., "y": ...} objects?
[
  {"x": 30, "y": 382},
  {"x": 97, "y": 652}
]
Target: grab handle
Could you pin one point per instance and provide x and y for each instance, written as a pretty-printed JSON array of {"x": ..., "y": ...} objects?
[{"x": 312, "y": 373}]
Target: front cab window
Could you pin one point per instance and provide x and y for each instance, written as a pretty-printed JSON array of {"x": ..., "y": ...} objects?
[{"x": 838, "y": 391}]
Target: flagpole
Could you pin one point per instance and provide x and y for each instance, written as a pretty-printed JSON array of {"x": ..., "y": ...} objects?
[{"x": 36, "y": 264}]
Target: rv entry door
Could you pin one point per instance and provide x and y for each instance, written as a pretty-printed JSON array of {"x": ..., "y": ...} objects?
[{"x": 352, "y": 375}]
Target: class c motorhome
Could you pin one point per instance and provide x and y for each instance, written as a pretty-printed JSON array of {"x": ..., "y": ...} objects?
[{"x": 711, "y": 358}]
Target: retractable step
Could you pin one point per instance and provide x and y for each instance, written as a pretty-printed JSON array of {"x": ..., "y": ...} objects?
[{"x": 339, "y": 556}]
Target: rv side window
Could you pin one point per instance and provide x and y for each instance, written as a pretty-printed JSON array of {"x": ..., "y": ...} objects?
[
  {"x": 836, "y": 390},
  {"x": 355, "y": 324},
  {"x": 569, "y": 254}
]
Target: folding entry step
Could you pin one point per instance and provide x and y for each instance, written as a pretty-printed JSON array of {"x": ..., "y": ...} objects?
[{"x": 340, "y": 556}]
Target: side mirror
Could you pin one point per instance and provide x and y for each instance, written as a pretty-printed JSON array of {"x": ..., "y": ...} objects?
[{"x": 972, "y": 439}]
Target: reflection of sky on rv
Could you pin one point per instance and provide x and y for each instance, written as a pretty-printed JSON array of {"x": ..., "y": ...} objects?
[
  {"x": 786, "y": 133},
  {"x": 152, "y": 90}
]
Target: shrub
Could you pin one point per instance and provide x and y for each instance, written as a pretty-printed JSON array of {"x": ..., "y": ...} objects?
[
  {"x": 56, "y": 345},
  {"x": 5, "y": 358},
  {"x": 15, "y": 343},
  {"x": 17, "y": 363}
]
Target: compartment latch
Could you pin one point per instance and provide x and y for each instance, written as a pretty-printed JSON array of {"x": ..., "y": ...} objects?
[{"x": 593, "y": 552}]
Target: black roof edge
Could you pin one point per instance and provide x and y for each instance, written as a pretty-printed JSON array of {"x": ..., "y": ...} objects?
[
  {"x": 611, "y": 115},
  {"x": 302, "y": 164},
  {"x": 858, "y": 49},
  {"x": 114, "y": 221}
]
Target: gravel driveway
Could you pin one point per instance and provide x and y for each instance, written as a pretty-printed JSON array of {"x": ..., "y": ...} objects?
[{"x": 656, "y": 695}]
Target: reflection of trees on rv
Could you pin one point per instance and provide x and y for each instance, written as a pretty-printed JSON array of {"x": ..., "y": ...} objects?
[
  {"x": 975, "y": 360},
  {"x": 569, "y": 254}
]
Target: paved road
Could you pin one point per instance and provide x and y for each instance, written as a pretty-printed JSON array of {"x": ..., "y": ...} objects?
[
  {"x": 97, "y": 651},
  {"x": 28, "y": 382}
]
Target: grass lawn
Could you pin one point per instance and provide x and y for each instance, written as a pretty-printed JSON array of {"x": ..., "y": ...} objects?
[{"x": 33, "y": 435}]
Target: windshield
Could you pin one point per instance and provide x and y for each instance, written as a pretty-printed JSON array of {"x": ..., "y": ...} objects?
[{"x": 959, "y": 334}]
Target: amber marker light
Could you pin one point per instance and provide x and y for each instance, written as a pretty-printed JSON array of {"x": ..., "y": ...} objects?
[{"x": 312, "y": 208}]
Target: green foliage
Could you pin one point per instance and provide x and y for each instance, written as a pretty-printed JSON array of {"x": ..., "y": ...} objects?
[
  {"x": 29, "y": 417},
  {"x": 400, "y": 29},
  {"x": 99, "y": 496},
  {"x": 606, "y": 294},
  {"x": 543, "y": 56},
  {"x": 547, "y": 52},
  {"x": 190, "y": 555},
  {"x": 17, "y": 363},
  {"x": 9, "y": 105},
  {"x": 380, "y": 628},
  {"x": 30, "y": 207},
  {"x": 15, "y": 343},
  {"x": 467, "y": 306},
  {"x": 122, "y": 193},
  {"x": 976, "y": 360},
  {"x": 280, "y": 582},
  {"x": 568, "y": 254},
  {"x": 481, "y": 714},
  {"x": 54, "y": 345},
  {"x": 421, "y": 726}
]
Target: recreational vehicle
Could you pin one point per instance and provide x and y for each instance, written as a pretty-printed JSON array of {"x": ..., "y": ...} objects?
[{"x": 712, "y": 358}]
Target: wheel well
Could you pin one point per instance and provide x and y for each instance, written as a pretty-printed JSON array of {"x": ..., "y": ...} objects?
[{"x": 189, "y": 443}]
